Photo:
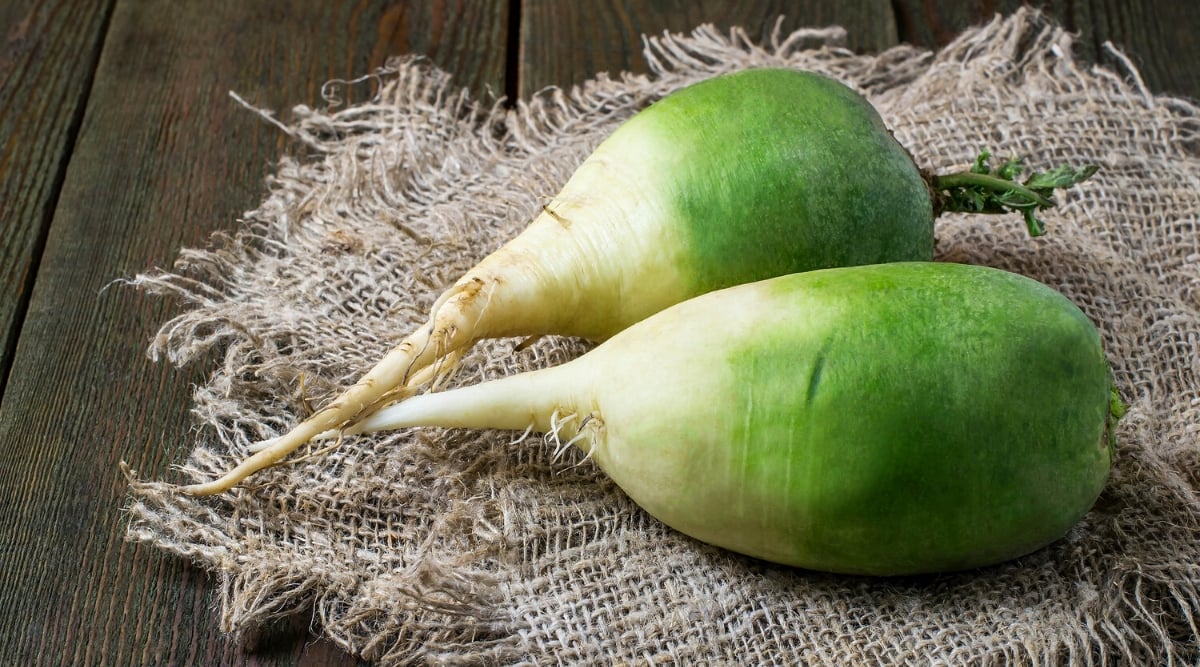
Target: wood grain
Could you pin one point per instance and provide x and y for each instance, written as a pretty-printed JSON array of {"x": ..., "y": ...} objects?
[
  {"x": 162, "y": 158},
  {"x": 1158, "y": 36},
  {"x": 467, "y": 38},
  {"x": 47, "y": 60},
  {"x": 564, "y": 43}
]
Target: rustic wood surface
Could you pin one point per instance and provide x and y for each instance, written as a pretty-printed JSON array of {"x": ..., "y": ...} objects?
[{"x": 120, "y": 145}]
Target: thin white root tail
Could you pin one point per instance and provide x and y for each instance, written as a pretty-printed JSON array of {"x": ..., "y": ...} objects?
[
  {"x": 430, "y": 353},
  {"x": 433, "y": 375}
]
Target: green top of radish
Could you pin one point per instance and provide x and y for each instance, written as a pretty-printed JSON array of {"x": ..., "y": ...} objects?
[
  {"x": 746, "y": 176},
  {"x": 740, "y": 166}
]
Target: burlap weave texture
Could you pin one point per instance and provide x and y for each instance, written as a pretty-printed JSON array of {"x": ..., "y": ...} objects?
[{"x": 453, "y": 547}]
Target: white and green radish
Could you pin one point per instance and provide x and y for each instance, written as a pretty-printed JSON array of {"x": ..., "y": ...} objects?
[
  {"x": 891, "y": 419},
  {"x": 738, "y": 178}
]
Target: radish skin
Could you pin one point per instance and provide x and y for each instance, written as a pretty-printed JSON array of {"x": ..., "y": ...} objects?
[
  {"x": 735, "y": 179},
  {"x": 894, "y": 419}
]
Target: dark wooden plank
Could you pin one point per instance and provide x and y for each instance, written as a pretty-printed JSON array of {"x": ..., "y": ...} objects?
[
  {"x": 1157, "y": 35},
  {"x": 43, "y": 89},
  {"x": 563, "y": 43},
  {"x": 467, "y": 38},
  {"x": 163, "y": 158},
  {"x": 934, "y": 23}
]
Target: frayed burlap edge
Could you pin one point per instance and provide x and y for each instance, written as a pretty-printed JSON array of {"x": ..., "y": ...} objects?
[{"x": 446, "y": 547}]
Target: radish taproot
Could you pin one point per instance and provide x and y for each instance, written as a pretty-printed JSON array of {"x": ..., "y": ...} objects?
[
  {"x": 737, "y": 178},
  {"x": 890, "y": 419}
]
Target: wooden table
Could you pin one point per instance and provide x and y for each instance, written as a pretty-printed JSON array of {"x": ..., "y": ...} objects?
[{"x": 119, "y": 145}]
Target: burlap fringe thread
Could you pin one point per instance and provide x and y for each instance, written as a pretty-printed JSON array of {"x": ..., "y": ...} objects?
[{"x": 454, "y": 547}]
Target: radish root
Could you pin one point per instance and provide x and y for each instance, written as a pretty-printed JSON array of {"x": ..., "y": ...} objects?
[{"x": 429, "y": 355}]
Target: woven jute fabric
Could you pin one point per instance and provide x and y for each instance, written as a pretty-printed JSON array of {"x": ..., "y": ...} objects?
[{"x": 446, "y": 546}]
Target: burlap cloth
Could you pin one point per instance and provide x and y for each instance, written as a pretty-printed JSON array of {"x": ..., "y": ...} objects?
[{"x": 450, "y": 546}]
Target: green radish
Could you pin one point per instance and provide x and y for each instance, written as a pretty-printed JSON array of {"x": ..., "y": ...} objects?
[
  {"x": 738, "y": 178},
  {"x": 890, "y": 419}
]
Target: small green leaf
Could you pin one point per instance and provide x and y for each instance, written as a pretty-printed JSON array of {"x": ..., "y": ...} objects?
[
  {"x": 1034, "y": 224},
  {"x": 1010, "y": 169},
  {"x": 1060, "y": 177},
  {"x": 981, "y": 166},
  {"x": 981, "y": 189}
]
